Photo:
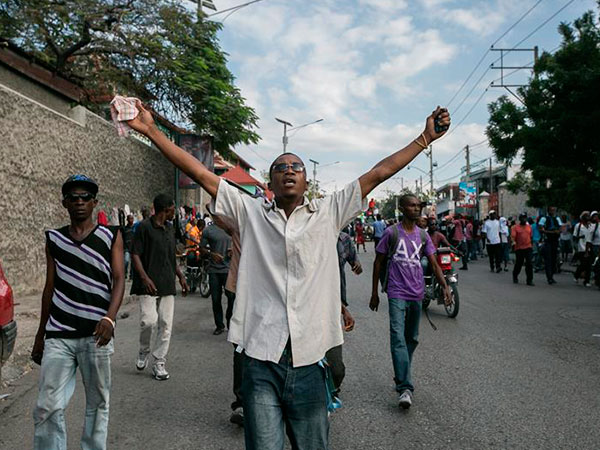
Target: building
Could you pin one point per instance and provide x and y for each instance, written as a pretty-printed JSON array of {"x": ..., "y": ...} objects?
[{"x": 446, "y": 197}]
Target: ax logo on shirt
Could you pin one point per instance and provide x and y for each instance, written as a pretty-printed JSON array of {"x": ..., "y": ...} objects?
[{"x": 402, "y": 252}]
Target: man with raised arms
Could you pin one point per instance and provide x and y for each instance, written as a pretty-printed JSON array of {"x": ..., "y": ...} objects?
[{"x": 287, "y": 309}]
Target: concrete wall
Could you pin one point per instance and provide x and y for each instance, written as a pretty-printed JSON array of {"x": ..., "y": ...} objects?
[
  {"x": 39, "y": 148},
  {"x": 510, "y": 204}
]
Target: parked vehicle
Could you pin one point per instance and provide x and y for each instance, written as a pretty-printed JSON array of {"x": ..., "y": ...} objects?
[
  {"x": 8, "y": 326},
  {"x": 433, "y": 290},
  {"x": 196, "y": 273}
]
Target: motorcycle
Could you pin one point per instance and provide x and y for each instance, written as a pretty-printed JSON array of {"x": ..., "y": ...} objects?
[
  {"x": 433, "y": 290},
  {"x": 196, "y": 272}
]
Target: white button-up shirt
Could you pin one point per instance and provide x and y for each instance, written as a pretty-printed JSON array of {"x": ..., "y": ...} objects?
[{"x": 288, "y": 279}]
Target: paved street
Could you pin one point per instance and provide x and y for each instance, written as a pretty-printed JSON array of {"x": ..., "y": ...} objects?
[{"x": 519, "y": 368}]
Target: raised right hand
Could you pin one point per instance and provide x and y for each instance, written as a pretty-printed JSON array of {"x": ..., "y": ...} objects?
[{"x": 144, "y": 122}]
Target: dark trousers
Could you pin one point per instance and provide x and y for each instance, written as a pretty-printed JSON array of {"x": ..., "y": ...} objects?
[
  {"x": 336, "y": 365},
  {"x": 584, "y": 268},
  {"x": 550, "y": 257},
  {"x": 472, "y": 249},
  {"x": 524, "y": 255},
  {"x": 462, "y": 248},
  {"x": 217, "y": 286},
  {"x": 495, "y": 254},
  {"x": 238, "y": 376}
]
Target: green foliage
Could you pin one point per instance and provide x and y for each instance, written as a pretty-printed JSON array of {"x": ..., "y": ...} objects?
[
  {"x": 153, "y": 49},
  {"x": 555, "y": 129}
]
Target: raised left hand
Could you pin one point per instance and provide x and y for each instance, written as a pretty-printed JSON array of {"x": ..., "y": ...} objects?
[{"x": 429, "y": 132}]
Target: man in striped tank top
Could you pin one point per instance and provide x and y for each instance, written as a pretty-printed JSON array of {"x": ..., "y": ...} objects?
[{"x": 84, "y": 288}]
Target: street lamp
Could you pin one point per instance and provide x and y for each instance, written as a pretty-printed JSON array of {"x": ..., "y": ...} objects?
[
  {"x": 285, "y": 138},
  {"x": 416, "y": 168},
  {"x": 288, "y": 124}
]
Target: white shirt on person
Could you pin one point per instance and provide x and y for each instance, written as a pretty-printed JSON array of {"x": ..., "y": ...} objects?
[
  {"x": 288, "y": 284},
  {"x": 582, "y": 235},
  {"x": 595, "y": 234},
  {"x": 491, "y": 228}
]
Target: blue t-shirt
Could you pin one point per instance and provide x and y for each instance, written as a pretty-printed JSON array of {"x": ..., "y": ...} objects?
[
  {"x": 536, "y": 233},
  {"x": 378, "y": 228},
  {"x": 405, "y": 279}
]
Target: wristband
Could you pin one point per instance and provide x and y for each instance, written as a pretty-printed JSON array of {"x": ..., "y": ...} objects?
[{"x": 112, "y": 322}]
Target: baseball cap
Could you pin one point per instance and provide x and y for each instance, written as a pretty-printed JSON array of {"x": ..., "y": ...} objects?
[
  {"x": 492, "y": 211},
  {"x": 80, "y": 180},
  {"x": 594, "y": 213}
]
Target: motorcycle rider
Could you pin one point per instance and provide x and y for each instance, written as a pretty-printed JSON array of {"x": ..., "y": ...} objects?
[{"x": 405, "y": 290}]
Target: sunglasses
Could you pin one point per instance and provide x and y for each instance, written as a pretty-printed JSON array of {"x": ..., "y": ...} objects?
[
  {"x": 86, "y": 197},
  {"x": 282, "y": 167}
]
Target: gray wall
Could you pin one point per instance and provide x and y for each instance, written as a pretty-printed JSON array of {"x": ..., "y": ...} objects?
[{"x": 39, "y": 149}]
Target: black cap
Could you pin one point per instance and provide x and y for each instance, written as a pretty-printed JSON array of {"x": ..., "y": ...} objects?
[{"x": 80, "y": 180}]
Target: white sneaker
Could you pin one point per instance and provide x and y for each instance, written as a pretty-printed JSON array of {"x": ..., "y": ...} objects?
[
  {"x": 159, "y": 372},
  {"x": 587, "y": 284},
  {"x": 405, "y": 399},
  {"x": 142, "y": 361}
]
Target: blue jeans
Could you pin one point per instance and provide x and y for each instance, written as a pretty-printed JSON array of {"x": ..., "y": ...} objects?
[
  {"x": 278, "y": 397},
  {"x": 57, "y": 383},
  {"x": 404, "y": 338}
]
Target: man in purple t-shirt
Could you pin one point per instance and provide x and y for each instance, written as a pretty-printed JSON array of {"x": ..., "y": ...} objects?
[{"x": 405, "y": 289}]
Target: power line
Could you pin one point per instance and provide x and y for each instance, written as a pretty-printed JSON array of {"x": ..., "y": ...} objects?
[
  {"x": 488, "y": 50},
  {"x": 537, "y": 28}
]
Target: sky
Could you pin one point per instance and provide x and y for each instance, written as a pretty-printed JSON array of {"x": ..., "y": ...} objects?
[{"x": 373, "y": 70}]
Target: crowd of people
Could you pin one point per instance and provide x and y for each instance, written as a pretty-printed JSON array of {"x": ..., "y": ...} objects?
[{"x": 286, "y": 310}]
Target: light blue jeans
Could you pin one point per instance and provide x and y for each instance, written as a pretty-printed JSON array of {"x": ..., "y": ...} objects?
[
  {"x": 61, "y": 359},
  {"x": 405, "y": 317}
]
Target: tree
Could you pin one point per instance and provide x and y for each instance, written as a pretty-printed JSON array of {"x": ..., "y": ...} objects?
[
  {"x": 555, "y": 128},
  {"x": 153, "y": 49}
]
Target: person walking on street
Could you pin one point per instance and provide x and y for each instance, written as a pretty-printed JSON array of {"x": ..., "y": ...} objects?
[
  {"x": 154, "y": 283},
  {"x": 217, "y": 243},
  {"x": 582, "y": 234},
  {"x": 459, "y": 240},
  {"x": 287, "y": 307},
  {"x": 378, "y": 229},
  {"x": 595, "y": 234},
  {"x": 85, "y": 281},
  {"x": 549, "y": 226},
  {"x": 504, "y": 242},
  {"x": 405, "y": 244},
  {"x": 565, "y": 239},
  {"x": 128, "y": 245},
  {"x": 346, "y": 255},
  {"x": 491, "y": 235},
  {"x": 359, "y": 229},
  {"x": 521, "y": 235}
]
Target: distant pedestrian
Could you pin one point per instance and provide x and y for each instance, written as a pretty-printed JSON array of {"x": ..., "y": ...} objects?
[
  {"x": 491, "y": 234},
  {"x": 378, "y": 229},
  {"x": 521, "y": 235},
  {"x": 217, "y": 244},
  {"x": 470, "y": 236},
  {"x": 359, "y": 229},
  {"x": 84, "y": 287},
  {"x": 459, "y": 240},
  {"x": 504, "y": 242},
  {"x": 549, "y": 226},
  {"x": 565, "y": 239},
  {"x": 405, "y": 288},
  {"x": 128, "y": 245},
  {"x": 582, "y": 234},
  {"x": 595, "y": 234},
  {"x": 154, "y": 283}
]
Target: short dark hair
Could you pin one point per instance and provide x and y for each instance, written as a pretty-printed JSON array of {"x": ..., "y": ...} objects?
[
  {"x": 378, "y": 216},
  {"x": 162, "y": 202},
  {"x": 405, "y": 197}
]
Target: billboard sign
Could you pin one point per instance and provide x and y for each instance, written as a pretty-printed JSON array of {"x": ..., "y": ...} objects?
[{"x": 467, "y": 195}]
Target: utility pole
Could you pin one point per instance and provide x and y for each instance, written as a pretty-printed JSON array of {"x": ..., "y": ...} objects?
[
  {"x": 417, "y": 187},
  {"x": 314, "y": 186},
  {"x": 467, "y": 156},
  {"x": 431, "y": 169},
  {"x": 401, "y": 183},
  {"x": 421, "y": 183},
  {"x": 491, "y": 178}
]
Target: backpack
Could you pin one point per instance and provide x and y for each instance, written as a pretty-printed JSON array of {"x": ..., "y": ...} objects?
[{"x": 393, "y": 246}]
